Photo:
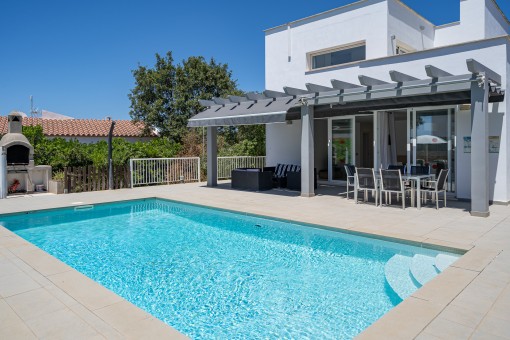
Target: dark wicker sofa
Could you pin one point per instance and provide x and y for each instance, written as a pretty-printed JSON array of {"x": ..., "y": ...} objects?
[{"x": 253, "y": 179}]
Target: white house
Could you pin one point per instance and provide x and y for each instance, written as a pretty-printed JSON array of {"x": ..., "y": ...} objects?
[{"x": 374, "y": 83}]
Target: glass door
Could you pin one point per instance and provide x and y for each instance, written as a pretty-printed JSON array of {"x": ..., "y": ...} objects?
[
  {"x": 340, "y": 147},
  {"x": 431, "y": 135}
]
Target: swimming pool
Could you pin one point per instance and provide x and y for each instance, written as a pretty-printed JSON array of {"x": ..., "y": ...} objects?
[{"x": 218, "y": 274}]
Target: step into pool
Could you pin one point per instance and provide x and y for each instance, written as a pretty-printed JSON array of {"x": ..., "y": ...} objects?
[{"x": 217, "y": 274}]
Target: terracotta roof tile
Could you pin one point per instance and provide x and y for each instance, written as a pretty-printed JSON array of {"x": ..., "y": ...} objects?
[{"x": 79, "y": 127}]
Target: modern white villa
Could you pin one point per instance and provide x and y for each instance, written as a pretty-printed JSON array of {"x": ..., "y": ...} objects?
[{"x": 374, "y": 83}]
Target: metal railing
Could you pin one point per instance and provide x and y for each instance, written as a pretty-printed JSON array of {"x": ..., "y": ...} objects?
[
  {"x": 227, "y": 164},
  {"x": 153, "y": 171}
]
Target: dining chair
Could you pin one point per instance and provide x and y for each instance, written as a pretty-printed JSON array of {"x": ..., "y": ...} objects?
[
  {"x": 366, "y": 181},
  {"x": 350, "y": 170},
  {"x": 420, "y": 170},
  {"x": 391, "y": 182},
  {"x": 437, "y": 186}
]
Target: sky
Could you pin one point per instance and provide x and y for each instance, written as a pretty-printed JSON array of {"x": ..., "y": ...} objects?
[{"x": 76, "y": 57}]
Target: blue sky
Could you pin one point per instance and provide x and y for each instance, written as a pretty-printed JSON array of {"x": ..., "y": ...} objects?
[{"x": 76, "y": 57}]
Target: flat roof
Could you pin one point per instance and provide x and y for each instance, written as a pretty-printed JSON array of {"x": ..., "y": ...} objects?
[{"x": 364, "y": 1}]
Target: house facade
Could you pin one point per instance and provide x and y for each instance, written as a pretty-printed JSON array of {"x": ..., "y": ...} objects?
[
  {"x": 372, "y": 38},
  {"x": 375, "y": 84}
]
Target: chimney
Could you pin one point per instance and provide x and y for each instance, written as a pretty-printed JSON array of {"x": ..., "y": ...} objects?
[{"x": 15, "y": 120}]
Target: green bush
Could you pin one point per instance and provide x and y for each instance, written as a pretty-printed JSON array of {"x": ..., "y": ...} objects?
[{"x": 61, "y": 153}]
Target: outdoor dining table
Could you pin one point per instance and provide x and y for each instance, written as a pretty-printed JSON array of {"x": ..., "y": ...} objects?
[{"x": 415, "y": 179}]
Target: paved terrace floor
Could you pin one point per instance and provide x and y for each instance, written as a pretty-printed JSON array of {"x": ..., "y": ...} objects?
[{"x": 41, "y": 297}]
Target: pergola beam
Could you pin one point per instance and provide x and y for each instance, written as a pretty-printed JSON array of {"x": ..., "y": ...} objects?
[
  {"x": 369, "y": 81},
  {"x": 206, "y": 103},
  {"x": 400, "y": 77},
  {"x": 255, "y": 96},
  {"x": 274, "y": 94},
  {"x": 318, "y": 88},
  {"x": 292, "y": 91},
  {"x": 435, "y": 72},
  {"x": 238, "y": 99},
  {"x": 342, "y": 85},
  {"x": 478, "y": 68},
  {"x": 221, "y": 101}
]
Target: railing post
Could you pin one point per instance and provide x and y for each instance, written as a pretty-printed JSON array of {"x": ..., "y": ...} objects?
[
  {"x": 198, "y": 170},
  {"x": 131, "y": 172}
]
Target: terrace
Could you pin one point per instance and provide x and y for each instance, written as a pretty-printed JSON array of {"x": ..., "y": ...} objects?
[{"x": 42, "y": 297}]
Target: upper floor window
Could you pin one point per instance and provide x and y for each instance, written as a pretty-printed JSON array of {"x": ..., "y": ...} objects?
[
  {"x": 403, "y": 48},
  {"x": 337, "y": 56}
]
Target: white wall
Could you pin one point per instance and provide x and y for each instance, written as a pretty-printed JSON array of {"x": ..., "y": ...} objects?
[
  {"x": 498, "y": 166},
  {"x": 361, "y": 21},
  {"x": 405, "y": 25},
  {"x": 479, "y": 19},
  {"x": 283, "y": 143}
]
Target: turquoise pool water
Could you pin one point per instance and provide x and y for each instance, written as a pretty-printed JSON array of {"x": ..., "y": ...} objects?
[{"x": 217, "y": 274}]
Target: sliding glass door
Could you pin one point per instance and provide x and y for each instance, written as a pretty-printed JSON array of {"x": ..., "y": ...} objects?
[
  {"x": 431, "y": 140},
  {"x": 340, "y": 147}
]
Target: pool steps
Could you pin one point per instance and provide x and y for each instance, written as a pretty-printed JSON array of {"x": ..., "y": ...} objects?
[{"x": 405, "y": 274}]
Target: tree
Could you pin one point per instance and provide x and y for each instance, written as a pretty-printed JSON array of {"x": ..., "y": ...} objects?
[{"x": 166, "y": 96}]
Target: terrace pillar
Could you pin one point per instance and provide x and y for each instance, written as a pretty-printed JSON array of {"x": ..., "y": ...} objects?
[
  {"x": 212, "y": 156},
  {"x": 480, "y": 147},
  {"x": 307, "y": 152}
]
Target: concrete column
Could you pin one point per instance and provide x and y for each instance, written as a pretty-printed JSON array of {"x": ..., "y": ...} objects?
[
  {"x": 212, "y": 156},
  {"x": 480, "y": 148},
  {"x": 307, "y": 152}
]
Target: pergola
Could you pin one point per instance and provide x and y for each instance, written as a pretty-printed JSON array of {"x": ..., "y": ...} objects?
[{"x": 479, "y": 87}]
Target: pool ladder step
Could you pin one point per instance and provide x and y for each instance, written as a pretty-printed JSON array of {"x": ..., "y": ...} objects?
[{"x": 405, "y": 274}]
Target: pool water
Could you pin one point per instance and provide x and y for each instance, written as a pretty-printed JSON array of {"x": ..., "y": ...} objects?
[{"x": 217, "y": 274}]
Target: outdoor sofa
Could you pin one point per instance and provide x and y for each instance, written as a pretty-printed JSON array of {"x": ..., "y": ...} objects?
[{"x": 253, "y": 179}]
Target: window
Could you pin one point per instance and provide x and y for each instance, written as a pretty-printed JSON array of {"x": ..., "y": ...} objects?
[
  {"x": 337, "y": 56},
  {"x": 403, "y": 48}
]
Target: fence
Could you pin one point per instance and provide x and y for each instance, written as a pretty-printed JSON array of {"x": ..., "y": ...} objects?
[
  {"x": 227, "y": 164},
  {"x": 151, "y": 171},
  {"x": 94, "y": 178}
]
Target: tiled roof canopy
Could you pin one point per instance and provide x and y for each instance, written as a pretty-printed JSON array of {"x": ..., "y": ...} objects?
[{"x": 80, "y": 127}]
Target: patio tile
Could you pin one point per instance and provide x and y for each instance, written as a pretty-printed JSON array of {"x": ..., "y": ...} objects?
[
  {"x": 152, "y": 328},
  {"x": 62, "y": 324},
  {"x": 446, "y": 286},
  {"x": 84, "y": 290},
  {"x": 480, "y": 335},
  {"x": 16, "y": 284},
  {"x": 405, "y": 321},
  {"x": 446, "y": 329},
  {"x": 30, "y": 271},
  {"x": 34, "y": 303},
  {"x": 495, "y": 326},
  {"x": 11, "y": 326},
  {"x": 41, "y": 261},
  {"x": 95, "y": 322},
  {"x": 463, "y": 316},
  {"x": 426, "y": 336},
  {"x": 122, "y": 315},
  {"x": 476, "y": 259}
]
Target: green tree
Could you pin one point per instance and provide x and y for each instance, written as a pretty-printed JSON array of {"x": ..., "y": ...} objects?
[{"x": 166, "y": 96}]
